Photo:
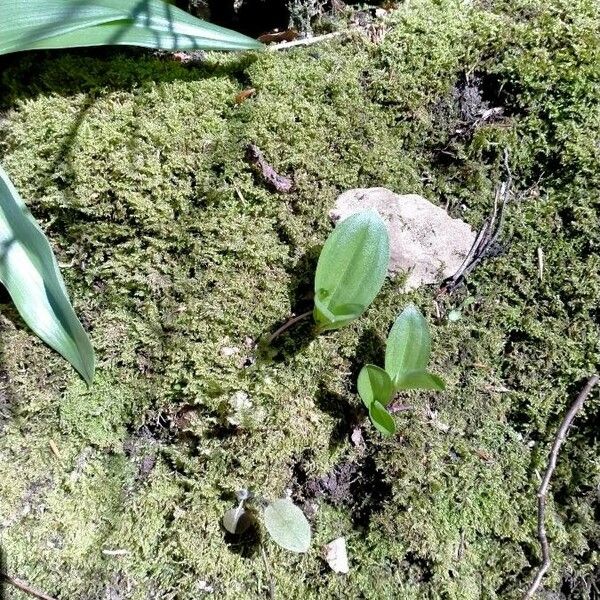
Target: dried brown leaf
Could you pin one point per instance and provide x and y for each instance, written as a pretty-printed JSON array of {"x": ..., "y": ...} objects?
[
  {"x": 272, "y": 179},
  {"x": 244, "y": 95},
  {"x": 279, "y": 36}
]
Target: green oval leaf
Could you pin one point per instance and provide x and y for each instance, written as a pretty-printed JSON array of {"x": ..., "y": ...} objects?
[
  {"x": 40, "y": 24},
  {"x": 382, "y": 419},
  {"x": 374, "y": 384},
  {"x": 420, "y": 380},
  {"x": 351, "y": 269},
  {"x": 287, "y": 525},
  {"x": 29, "y": 271},
  {"x": 408, "y": 345}
]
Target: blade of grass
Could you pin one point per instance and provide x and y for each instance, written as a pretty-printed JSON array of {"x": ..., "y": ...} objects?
[
  {"x": 29, "y": 271},
  {"x": 31, "y": 24}
]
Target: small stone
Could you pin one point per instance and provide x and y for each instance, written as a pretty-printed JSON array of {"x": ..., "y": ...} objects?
[
  {"x": 425, "y": 241},
  {"x": 229, "y": 351},
  {"x": 337, "y": 556},
  {"x": 240, "y": 401},
  {"x": 204, "y": 586},
  {"x": 357, "y": 438}
]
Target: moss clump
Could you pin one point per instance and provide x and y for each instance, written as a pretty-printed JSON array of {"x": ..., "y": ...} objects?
[{"x": 174, "y": 252}]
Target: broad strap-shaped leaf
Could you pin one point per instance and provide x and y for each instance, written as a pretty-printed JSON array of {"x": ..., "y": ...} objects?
[
  {"x": 45, "y": 24},
  {"x": 420, "y": 380},
  {"x": 374, "y": 384},
  {"x": 382, "y": 419},
  {"x": 287, "y": 525},
  {"x": 29, "y": 271},
  {"x": 408, "y": 345},
  {"x": 351, "y": 269}
]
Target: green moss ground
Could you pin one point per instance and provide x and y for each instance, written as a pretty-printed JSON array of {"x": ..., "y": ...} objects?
[{"x": 172, "y": 251}]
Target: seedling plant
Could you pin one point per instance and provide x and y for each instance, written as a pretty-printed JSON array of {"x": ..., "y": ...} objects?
[
  {"x": 407, "y": 353},
  {"x": 284, "y": 521},
  {"x": 350, "y": 272}
]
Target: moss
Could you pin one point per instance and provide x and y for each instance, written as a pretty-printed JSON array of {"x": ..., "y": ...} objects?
[{"x": 173, "y": 250}]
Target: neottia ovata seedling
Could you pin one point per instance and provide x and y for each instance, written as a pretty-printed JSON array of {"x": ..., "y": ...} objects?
[
  {"x": 406, "y": 356},
  {"x": 283, "y": 520},
  {"x": 351, "y": 270}
]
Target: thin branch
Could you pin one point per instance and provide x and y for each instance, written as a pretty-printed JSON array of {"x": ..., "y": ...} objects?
[
  {"x": 542, "y": 494},
  {"x": 488, "y": 235},
  {"x": 24, "y": 587},
  {"x": 372, "y": 30},
  {"x": 287, "y": 325}
]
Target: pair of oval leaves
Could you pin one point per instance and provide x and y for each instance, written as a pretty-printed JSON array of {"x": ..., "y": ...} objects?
[{"x": 407, "y": 352}]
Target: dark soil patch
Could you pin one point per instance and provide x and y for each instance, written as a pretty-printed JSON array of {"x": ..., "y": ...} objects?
[
  {"x": 338, "y": 407},
  {"x": 253, "y": 17},
  {"x": 474, "y": 101},
  {"x": 355, "y": 484},
  {"x": 419, "y": 568},
  {"x": 246, "y": 544}
]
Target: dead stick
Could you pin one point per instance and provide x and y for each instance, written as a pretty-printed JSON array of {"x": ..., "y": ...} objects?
[
  {"x": 306, "y": 41},
  {"x": 488, "y": 234},
  {"x": 24, "y": 587},
  {"x": 309, "y": 41},
  {"x": 542, "y": 494}
]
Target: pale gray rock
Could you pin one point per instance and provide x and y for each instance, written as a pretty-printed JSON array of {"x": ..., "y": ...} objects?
[{"x": 425, "y": 241}]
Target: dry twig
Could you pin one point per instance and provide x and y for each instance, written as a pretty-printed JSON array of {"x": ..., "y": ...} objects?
[
  {"x": 375, "y": 32},
  {"x": 24, "y": 587},
  {"x": 486, "y": 239},
  {"x": 275, "y": 181},
  {"x": 308, "y": 41},
  {"x": 542, "y": 494}
]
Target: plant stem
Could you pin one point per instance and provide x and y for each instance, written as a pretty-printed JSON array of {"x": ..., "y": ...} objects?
[
  {"x": 289, "y": 323},
  {"x": 269, "y": 574}
]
